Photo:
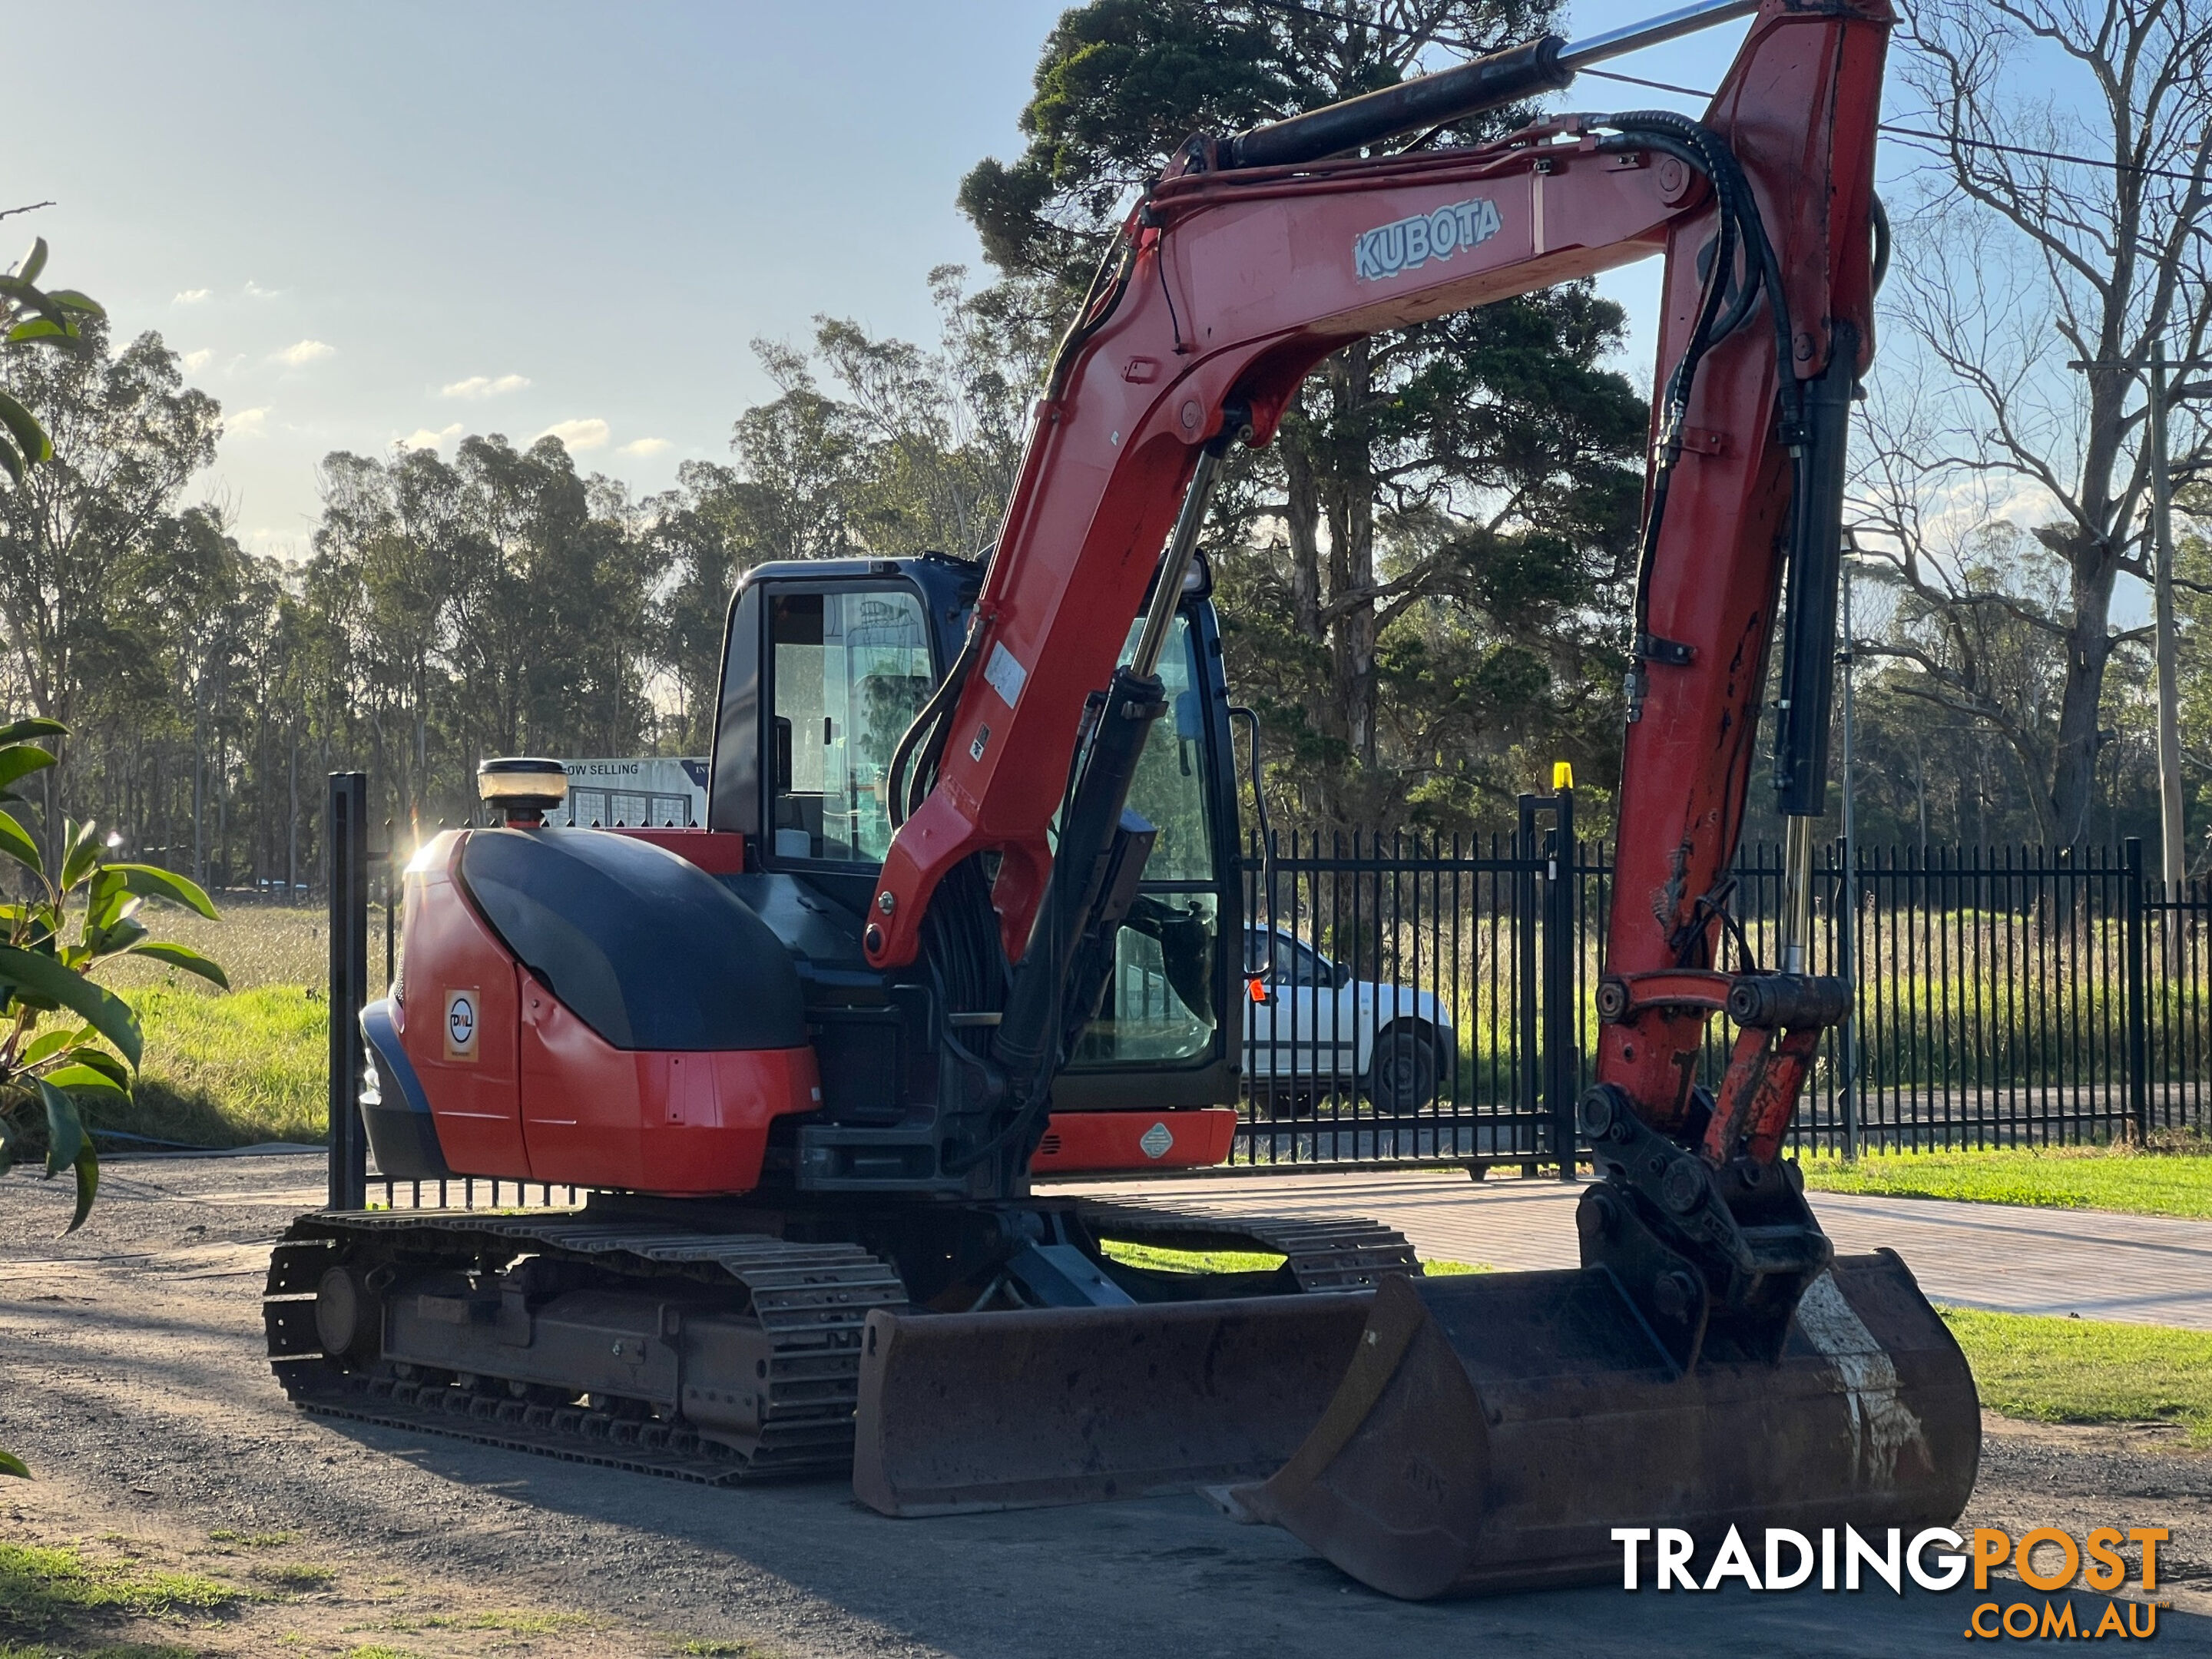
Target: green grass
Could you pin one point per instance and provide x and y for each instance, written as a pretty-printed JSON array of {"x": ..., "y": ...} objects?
[
  {"x": 54, "y": 1593},
  {"x": 2088, "y": 1370},
  {"x": 110, "y": 1650},
  {"x": 1238, "y": 1261},
  {"x": 2069, "y": 1178},
  {"x": 228, "y": 1070}
]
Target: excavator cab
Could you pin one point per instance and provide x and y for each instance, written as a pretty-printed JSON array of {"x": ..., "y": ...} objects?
[{"x": 826, "y": 668}]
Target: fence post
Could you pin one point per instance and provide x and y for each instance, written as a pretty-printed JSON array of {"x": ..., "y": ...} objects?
[
  {"x": 2137, "y": 1013},
  {"x": 347, "y": 840},
  {"x": 1526, "y": 851},
  {"x": 1562, "y": 944}
]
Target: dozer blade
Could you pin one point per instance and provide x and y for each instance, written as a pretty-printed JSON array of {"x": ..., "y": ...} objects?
[
  {"x": 1493, "y": 1431},
  {"x": 1016, "y": 1410}
]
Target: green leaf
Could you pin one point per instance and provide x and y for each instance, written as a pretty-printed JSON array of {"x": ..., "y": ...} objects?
[
  {"x": 83, "y": 856},
  {"x": 70, "y": 300},
  {"x": 30, "y": 437},
  {"x": 43, "y": 976},
  {"x": 16, "y": 731},
  {"x": 119, "y": 936},
  {"x": 11, "y": 1464},
  {"x": 184, "y": 957},
  {"x": 17, "y": 844},
  {"x": 64, "y": 1128},
  {"x": 20, "y": 760},
  {"x": 83, "y": 1077},
  {"x": 39, "y": 328},
  {"x": 150, "y": 882},
  {"x": 106, "y": 901},
  {"x": 34, "y": 261},
  {"x": 10, "y": 461},
  {"x": 44, "y": 1048},
  {"x": 88, "y": 1184},
  {"x": 99, "y": 1061}
]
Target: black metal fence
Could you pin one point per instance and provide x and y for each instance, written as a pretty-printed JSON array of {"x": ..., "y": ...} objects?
[
  {"x": 2003, "y": 997},
  {"x": 1425, "y": 1001}
]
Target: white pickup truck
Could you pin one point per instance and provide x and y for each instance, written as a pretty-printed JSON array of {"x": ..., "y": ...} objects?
[{"x": 1311, "y": 1029}]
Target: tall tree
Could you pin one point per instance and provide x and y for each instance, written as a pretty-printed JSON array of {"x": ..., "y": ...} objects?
[
  {"x": 1415, "y": 570},
  {"x": 127, "y": 437},
  {"x": 2060, "y": 239}
]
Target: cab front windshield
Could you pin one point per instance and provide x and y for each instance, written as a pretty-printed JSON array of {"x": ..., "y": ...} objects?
[{"x": 852, "y": 669}]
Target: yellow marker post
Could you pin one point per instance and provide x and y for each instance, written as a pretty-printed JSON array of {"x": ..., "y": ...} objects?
[{"x": 1563, "y": 775}]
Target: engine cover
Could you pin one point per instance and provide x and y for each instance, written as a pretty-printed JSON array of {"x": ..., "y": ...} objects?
[{"x": 585, "y": 1008}]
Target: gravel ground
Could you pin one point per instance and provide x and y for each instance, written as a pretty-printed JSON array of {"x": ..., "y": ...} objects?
[{"x": 131, "y": 1379}]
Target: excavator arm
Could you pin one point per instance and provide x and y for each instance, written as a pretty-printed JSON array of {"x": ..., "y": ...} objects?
[{"x": 1712, "y": 1363}]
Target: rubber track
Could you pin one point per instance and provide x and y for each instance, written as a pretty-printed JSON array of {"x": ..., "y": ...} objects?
[
  {"x": 1324, "y": 1253},
  {"x": 815, "y": 1299}
]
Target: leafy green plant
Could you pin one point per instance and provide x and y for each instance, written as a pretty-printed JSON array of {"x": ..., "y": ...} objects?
[
  {"x": 46, "y": 972},
  {"x": 29, "y": 315},
  {"x": 61, "y": 1033}
]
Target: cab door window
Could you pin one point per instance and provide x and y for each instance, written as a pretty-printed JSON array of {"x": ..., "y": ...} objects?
[
  {"x": 1159, "y": 1004},
  {"x": 851, "y": 670}
]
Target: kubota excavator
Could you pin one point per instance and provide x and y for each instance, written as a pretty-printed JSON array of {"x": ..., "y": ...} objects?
[{"x": 960, "y": 913}]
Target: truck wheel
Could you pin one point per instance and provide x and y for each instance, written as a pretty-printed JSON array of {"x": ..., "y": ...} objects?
[{"x": 1403, "y": 1078}]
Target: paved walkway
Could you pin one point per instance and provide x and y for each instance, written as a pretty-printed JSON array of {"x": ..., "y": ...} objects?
[{"x": 2153, "y": 1270}]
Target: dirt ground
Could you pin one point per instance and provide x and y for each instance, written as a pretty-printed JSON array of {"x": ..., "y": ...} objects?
[{"x": 131, "y": 1380}]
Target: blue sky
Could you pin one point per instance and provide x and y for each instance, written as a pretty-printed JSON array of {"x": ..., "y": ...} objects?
[{"x": 362, "y": 225}]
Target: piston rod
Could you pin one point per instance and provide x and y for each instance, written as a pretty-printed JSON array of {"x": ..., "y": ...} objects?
[{"x": 1490, "y": 81}]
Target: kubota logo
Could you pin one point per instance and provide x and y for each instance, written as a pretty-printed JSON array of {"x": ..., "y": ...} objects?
[{"x": 1410, "y": 243}]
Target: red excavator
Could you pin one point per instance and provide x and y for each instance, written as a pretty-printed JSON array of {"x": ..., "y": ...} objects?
[{"x": 962, "y": 908}]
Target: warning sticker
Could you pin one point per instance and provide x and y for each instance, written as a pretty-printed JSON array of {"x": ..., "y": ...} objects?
[
  {"x": 1006, "y": 676},
  {"x": 1157, "y": 1141},
  {"x": 461, "y": 1021}
]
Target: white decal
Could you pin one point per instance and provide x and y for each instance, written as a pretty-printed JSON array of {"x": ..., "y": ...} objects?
[
  {"x": 1409, "y": 244},
  {"x": 461, "y": 1025},
  {"x": 1157, "y": 1141},
  {"x": 1006, "y": 676}
]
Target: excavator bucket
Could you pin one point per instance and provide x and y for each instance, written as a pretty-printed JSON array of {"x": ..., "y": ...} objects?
[
  {"x": 1493, "y": 1430},
  {"x": 1013, "y": 1410}
]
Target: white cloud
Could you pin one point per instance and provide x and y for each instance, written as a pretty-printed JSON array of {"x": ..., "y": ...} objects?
[
  {"x": 199, "y": 359},
  {"x": 191, "y": 296},
  {"x": 424, "y": 438},
  {"x": 483, "y": 386},
  {"x": 247, "y": 422},
  {"x": 303, "y": 352},
  {"x": 578, "y": 434},
  {"x": 642, "y": 446},
  {"x": 253, "y": 290}
]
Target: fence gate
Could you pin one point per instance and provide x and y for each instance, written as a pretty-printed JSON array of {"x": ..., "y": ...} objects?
[{"x": 1412, "y": 1001}]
